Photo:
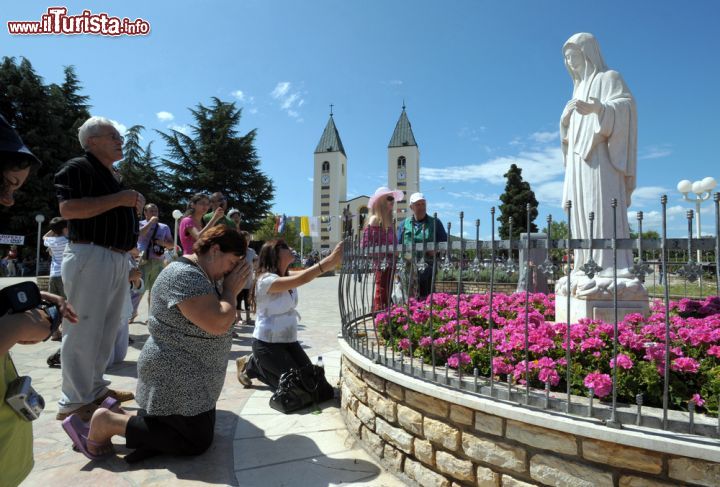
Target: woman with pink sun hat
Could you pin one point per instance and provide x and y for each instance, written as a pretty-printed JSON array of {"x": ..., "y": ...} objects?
[{"x": 379, "y": 231}]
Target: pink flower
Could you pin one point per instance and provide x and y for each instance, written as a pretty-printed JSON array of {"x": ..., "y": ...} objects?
[
  {"x": 404, "y": 344},
  {"x": 714, "y": 351},
  {"x": 685, "y": 365},
  {"x": 454, "y": 360},
  {"x": 425, "y": 341},
  {"x": 623, "y": 361},
  {"x": 601, "y": 384},
  {"x": 500, "y": 366},
  {"x": 697, "y": 399}
]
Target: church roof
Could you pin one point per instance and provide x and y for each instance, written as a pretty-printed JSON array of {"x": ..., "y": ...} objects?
[
  {"x": 330, "y": 140},
  {"x": 403, "y": 134}
]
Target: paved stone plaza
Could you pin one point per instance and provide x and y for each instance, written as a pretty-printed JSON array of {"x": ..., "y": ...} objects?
[{"x": 254, "y": 445}]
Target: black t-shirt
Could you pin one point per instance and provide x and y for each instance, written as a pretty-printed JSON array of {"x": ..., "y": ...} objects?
[{"x": 87, "y": 177}]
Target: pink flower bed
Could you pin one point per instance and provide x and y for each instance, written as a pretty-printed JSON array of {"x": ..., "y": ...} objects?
[{"x": 462, "y": 340}]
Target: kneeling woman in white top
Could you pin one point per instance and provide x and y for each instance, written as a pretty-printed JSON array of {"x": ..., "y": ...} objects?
[{"x": 275, "y": 347}]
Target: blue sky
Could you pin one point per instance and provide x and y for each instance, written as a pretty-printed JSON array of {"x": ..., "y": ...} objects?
[{"x": 483, "y": 81}]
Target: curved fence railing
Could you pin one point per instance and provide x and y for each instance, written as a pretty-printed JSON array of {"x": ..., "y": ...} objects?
[{"x": 482, "y": 327}]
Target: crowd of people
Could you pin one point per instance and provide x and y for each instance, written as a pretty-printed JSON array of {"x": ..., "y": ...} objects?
[{"x": 100, "y": 246}]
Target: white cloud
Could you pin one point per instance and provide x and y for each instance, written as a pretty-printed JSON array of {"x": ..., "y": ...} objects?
[
  {"x": 545, "y": 137},
  {"x": 280, "y": 90},
  {"x": 471, "y": 133},
  {"x": 289, "y": 98},
  {"x": 537, "y": 167},
  {"x": 549, "y": 193},
  {"x": 311, "y": 179},
  {"x": 655, "y": 152},
  {"x": 469, "y": 195},
  {"x": 185, "y": 129},
  {"x": 121, "y": 128},
  {"x": 252, "y": 111},
  {"x": 165, "y": 116},
  {"x": 395, "y": 82},
  {"x": 648, "y": 195}
]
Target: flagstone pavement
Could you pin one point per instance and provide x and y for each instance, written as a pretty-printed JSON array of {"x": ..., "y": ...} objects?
[{"x": 254, "y": 445}]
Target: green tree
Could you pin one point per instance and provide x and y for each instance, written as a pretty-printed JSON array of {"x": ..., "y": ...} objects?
[
  {"x": 558, "y": 231},
  {"x": 290, "y": 234},
  {"x": 514, "y": 200},
  {"x": 47, "y": 118},
  {"x": 215, "y": 157},
  {"x": 140, "y": 171}
]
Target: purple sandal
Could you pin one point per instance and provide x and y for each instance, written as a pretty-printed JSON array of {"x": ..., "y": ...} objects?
[{"x": 77, "y": 430}]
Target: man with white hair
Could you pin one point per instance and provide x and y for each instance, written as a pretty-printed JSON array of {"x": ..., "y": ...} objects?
[
  {"x": 417, "y": 228},
  {"x": 103, "y": 227}
]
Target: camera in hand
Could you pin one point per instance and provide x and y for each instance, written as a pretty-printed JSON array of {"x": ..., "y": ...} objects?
[{"x": 23, "y": 399}]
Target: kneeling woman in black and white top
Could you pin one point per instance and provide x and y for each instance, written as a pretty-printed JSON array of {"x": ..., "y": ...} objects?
[
  {"x": 275, "y": 347},
  {"x": 181, "y": 369}
]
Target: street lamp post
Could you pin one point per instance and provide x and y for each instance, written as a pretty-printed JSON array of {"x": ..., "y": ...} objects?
[
  {"x": 302, "y": 245},
  {"x": 39, "y": 219},
  {"x": 176, "y": 214},
  {"x": 702, "y": 190}
]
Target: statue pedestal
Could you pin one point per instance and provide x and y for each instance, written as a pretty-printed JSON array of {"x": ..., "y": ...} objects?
[{"x": 597, "y": 309}]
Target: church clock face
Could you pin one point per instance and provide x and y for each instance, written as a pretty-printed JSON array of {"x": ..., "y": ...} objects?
[
  {"x": 401, "y": 174},
  {"x": 325, "y": 179}
]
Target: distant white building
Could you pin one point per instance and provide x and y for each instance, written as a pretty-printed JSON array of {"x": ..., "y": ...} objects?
[{"x": 330, "y": 201}]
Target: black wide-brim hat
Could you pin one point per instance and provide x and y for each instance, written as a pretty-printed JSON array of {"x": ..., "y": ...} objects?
[{"x": 11, "y": 143}]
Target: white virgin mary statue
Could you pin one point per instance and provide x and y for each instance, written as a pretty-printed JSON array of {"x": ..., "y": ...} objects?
[{"x": 598, "y": 129}]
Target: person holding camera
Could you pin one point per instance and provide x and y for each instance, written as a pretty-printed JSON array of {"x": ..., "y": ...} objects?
[
  {"x": 26, "y": 316},
  {"x": 154, "y": 238}
]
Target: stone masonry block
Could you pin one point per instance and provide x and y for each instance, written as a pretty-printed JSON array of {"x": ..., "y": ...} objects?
[
  {"x": 356, "y": 386},
  {"x": 395, "y": 436},
  {"x": 423, "y": 475},
  {"x": 395, "y": 391},
  {"x": 551, "y": 470},
  {"x": 410, "y": 419},
  {"x": 373, "y": 442},
  {"x": 366, "y": 415},
  {"x": 630, "y": 481},
  {"x": 460, "y": 415},
  {"x": 541, "y": 438},
  {"x": 424, "y": 451},
  {"x": 487, "y": 423},
  {"x": 352, "y": 422},
  {"x": 374, "y": 381},
  {"x": 622, "y": 456},
  {"x": 427, "y": 404},
  {"x": 392, "y": 459},
  {"x": 508, "y": 481},
  {"x": 441, "y": 434},
  {"x": 695, "y": 471},
  {"x": 454, "y": 466},
  {"x": 382, "y": 406},
  {"x": 349, "y": 365},
  {"x": 494, "y": 452},
  {"x": 486, "y": 477}
]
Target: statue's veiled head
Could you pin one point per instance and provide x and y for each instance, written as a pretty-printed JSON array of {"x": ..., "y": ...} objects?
[{"x": 582, "y": 56}]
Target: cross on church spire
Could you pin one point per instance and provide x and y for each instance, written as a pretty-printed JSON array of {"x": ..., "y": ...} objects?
[{"x": 331, "y": 109}]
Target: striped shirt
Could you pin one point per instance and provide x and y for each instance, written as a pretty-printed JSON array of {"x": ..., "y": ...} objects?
[
  {"x": 87, "y": 177},
  {"x": 57, "y": 247}
]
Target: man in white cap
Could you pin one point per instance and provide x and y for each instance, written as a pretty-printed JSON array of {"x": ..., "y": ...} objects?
[{"x": 417, "y": 228}]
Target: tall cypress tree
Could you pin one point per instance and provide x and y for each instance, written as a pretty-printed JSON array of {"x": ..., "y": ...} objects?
[
  {"x": 515, "y": 198},
  {"x": 140, "y": 171},
  {"x": 216, "y": 157}
]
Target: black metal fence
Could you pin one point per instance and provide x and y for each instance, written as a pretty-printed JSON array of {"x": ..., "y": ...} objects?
[{"x": 466, "y": 335}]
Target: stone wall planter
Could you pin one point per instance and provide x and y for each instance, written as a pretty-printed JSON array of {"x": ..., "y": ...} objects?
[{"x": 437, "y": 436}]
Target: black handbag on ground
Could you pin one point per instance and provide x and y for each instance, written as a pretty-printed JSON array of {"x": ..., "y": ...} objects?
[{"x": 301, "y": 387}]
